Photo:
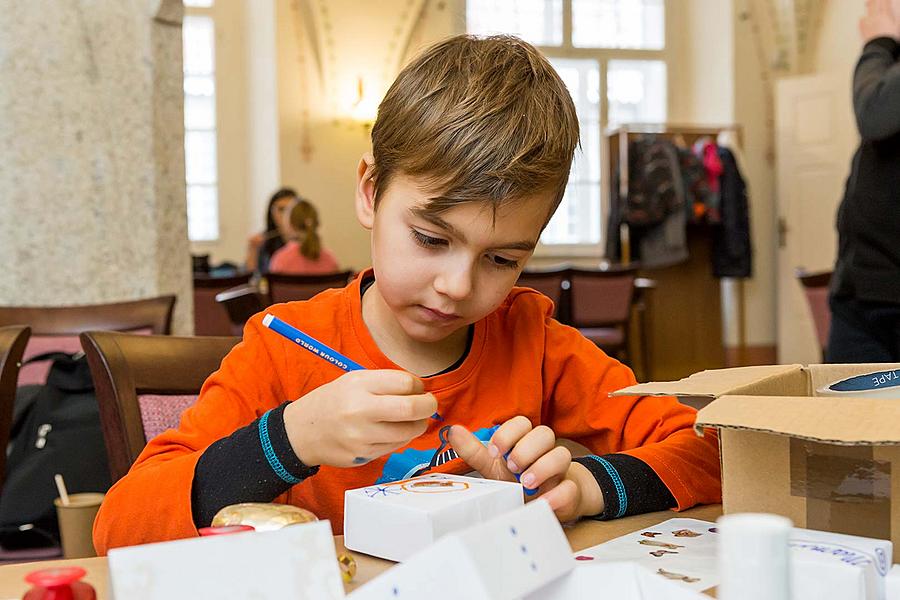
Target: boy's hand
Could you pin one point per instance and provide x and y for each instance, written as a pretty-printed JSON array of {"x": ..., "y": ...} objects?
[
  {"x": 358, "y": 417},
  {"x": 879, "y": 21},
  {"x": 568, "y": 487}
]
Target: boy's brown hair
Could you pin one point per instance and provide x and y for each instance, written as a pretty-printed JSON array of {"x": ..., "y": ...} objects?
[{"x": 479, "y": 119}]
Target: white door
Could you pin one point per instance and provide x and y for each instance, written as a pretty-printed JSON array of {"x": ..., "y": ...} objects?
[{"x": 815, "y": 139}]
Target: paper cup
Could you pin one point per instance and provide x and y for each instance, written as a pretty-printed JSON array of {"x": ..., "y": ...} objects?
[
  {"x": 76, "y": 523},
  {"x": 878, "y": 384}
]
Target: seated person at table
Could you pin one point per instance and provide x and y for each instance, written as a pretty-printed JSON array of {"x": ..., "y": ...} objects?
[
  {"x": 262, "y": 246},
  {"x": 304, "y": 255},
  {"x": 471, "y": 153}
]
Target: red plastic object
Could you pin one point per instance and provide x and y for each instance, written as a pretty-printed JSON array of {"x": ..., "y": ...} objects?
[
  {"x": 59, "y": 584},
  {"x": 224, "y": 529}
]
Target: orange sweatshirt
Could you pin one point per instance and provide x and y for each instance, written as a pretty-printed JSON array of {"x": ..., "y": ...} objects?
[{"x": 521, "y": 362}]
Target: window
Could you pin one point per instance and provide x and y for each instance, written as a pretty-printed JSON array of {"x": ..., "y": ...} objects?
[
  {"x": 200, "y": 158},
  {"x": 611, "y": 54}
]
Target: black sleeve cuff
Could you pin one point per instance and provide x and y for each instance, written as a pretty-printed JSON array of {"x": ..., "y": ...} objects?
[
  {"x": 236, "y": 469},
  {"x": 886, "y": 43},
  {"x": 629, "y": 486}
]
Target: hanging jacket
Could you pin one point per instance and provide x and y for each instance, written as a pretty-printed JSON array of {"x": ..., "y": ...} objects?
[{"x": 732, "y": 252}]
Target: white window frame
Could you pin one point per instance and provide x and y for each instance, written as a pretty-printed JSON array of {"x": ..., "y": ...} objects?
[
  {"x": 210, "y": 13},
  {"x": 603, "y": 56}
]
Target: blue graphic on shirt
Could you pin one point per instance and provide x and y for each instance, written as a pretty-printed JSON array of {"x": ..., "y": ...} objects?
[{"x": 412, "y": 462}]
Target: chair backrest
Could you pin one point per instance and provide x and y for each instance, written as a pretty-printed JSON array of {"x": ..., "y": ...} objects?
[
  {"x": 241, "y": 303},
  {"x": 601, "y": 298},
  {"x": 56, "y": 328},
  {"x": 815, "y": 287},
  {"x": 143, "y": 383},
  {"x": 552, "y": 283},
  {"x": 287, "y": 288},
  {"x": 210, "y": 317},
  {"x": 13, "y": 340}
]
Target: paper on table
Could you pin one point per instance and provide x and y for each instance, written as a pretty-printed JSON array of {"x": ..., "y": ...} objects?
[{"x": 682, "y": 550}]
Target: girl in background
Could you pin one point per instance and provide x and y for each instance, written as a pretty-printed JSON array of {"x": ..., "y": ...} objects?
[
  {"x": 304, "y": 255},
  {"x": 262, "y": 246}
]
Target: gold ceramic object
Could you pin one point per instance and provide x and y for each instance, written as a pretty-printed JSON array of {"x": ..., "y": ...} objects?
[
  {"x": 348, "y": 566},
  {"x": 262, "y": 516}
]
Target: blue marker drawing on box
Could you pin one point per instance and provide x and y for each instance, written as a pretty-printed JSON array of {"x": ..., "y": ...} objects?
[{"x": 316, "y": 347}]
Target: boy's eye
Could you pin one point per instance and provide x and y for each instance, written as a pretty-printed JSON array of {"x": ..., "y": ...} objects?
[
  {"x": 426, "y": 240},
  {"x": 506, "y": 263}
]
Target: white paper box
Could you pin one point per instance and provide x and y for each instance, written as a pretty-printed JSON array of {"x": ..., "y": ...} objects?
[
  {"x": 295, "y": 562},
  {"x": 396, "y": 520},
  {"x": 505, "y": 558},
  {"x": 833, "y": 565},
  {"x": 892, "y": 584},
  {"x": 619, "y": 580}
]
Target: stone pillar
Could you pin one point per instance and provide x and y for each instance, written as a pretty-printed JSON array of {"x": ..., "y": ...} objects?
[{"x": 92, "y": 194}]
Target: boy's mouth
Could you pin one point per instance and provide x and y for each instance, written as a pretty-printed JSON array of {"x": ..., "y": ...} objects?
[{"x": 436, "y": 315}]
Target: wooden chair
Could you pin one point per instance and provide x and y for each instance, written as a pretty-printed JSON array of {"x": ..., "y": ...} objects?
[
  {"x": 13, "y": 340},
  {"x": 601, "y": 307},
  {"x": 287, "y": 288},
  {"x": 554, "y": 284},
  {"x": 241, "y": 303},
  {"x": 56, "y": 328},
  {"x": 211, "y": 317},
  {"x": 815, "y": 288},
  {"x": 143, "y": 383}
]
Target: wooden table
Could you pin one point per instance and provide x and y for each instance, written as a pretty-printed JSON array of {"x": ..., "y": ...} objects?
[{"x": 583, "y": 534}]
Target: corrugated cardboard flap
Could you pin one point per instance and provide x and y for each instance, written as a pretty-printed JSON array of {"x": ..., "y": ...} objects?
[
  {"x": 711, "y": 383},
  {"x": 846, "y": 421}
]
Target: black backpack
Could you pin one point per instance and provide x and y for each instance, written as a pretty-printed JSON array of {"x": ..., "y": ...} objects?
[{"x": 56, "y": 429}]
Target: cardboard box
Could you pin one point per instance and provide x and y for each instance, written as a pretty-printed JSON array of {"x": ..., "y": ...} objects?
[
  {"x": 827, "y": 463},
  {"x": 504, "y": 558},
  {"x": 396, "y": 520}
]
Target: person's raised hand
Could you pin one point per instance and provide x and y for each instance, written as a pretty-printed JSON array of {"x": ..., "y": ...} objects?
[
  {"x": 879, "y": 21},
  {"x": 358, "y": 417}
]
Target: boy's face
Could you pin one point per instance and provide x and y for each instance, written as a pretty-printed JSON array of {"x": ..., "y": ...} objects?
[{"x": 440, "y": 273}]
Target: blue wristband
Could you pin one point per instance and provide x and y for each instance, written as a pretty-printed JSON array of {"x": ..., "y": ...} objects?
[
  {"x": 617, "y": 482},
  {"x": 270, "y": 452}
]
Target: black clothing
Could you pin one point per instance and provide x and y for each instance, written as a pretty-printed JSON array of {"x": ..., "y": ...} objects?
[{"x": 868, "y": 221}]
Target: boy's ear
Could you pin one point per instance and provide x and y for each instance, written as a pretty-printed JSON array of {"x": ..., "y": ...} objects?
[{"x": 365, "y": 191}]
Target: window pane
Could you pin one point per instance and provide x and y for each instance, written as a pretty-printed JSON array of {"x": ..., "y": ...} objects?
[
  {"x": 536, "y": 21},
  {"x": 199, "y": 85},
  {"x": 198, "y": 38},
  {"x": 577, "y": 220},
  {"x": 618, "y": 24},
  {"x": 200, "y": 156},
  {"x": 636, "y": 90},
  {"x": 203, "y": 213},
  {"x": 199, "y": 3},
  {"x": 199, "y": 112}
]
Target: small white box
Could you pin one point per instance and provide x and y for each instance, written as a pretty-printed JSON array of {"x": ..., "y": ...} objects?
[
  {"x": 834, "y": 565},
  {"x": 619, "y": 580},
  {"x": 505, "y": 558},
  {"x": 295, "y": 562},
  {"x": 396, "y": 520},
  {"x": 892, "y": 584}
]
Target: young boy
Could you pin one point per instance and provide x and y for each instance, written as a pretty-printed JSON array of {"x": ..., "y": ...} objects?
[{"x": 471, "y": 155}]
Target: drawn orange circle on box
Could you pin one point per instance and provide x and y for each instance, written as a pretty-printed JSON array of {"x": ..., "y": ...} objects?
[{"x": 434, "y": 486}]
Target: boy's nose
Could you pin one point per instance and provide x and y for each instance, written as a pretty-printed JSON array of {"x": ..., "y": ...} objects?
[{"x": 454, "y": 282}]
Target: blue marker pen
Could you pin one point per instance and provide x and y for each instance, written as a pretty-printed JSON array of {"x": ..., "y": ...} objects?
[
  {"x": 316, "y": 347},
  {"x": 528, "y": 491}
]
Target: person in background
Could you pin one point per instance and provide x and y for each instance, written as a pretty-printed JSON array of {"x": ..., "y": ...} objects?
[
  {"x": 305, "y": 254},
  {"x": 262, "y": 246},
  {"x": 865, "y": 287}
]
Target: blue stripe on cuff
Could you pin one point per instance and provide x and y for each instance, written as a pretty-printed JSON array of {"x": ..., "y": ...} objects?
[
  {"x": 617, "y": 481},
  {"x": 270, "y": 452}
]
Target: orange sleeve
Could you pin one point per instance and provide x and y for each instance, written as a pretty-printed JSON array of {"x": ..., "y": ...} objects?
[
  {"x": 578, "y": 378},
  {"x": 152, "y": 502}
]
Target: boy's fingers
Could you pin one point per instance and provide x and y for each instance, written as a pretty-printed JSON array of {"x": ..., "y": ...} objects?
[
  {"x": 399, "y": 433},
  {"x": 533, "y": 445},
  {"x": 552, "y": 464},
  {"x": 390, "y": 381},
  {"x": 470, "y": 449},
  {"x": 563, "y": 499},
  {"x": 508, "y": 434},
  {"x": 402, "y": 408}
]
